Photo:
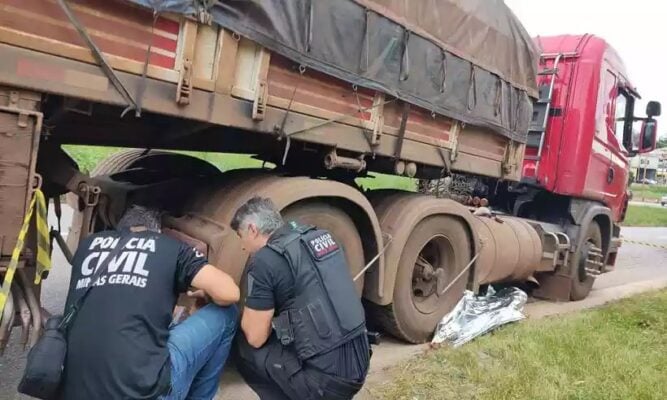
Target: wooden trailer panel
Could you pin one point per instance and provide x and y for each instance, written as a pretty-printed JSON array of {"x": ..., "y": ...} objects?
[
  {"x": 118, "y": 29},
  {"x": 314, "y": 93},
  {"x": 123, "y": 33},
  {"x": 224, "y": 64}
]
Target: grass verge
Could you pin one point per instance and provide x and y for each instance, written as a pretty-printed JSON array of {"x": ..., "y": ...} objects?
[
  {"x": 616, "y": 352},
  {"x": 648, "y": 192},
  {"x": 89, "y": 156},
  {"x": 645, "y": 216}
]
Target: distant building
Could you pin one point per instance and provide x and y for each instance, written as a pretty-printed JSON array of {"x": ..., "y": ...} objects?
[
  {"x": 662, "y": 165},
  {"x": 651, "y": 166}
]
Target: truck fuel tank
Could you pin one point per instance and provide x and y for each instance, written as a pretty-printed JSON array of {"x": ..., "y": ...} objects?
[{"x": 511, "y": 249}]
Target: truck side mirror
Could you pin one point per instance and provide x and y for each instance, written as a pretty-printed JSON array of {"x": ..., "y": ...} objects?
[
  {"x": 648, "y": 136},
  {"x": 653, "y": 109}
]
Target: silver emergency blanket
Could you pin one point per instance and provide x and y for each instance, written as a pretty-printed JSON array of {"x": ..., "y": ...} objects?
[
  {"x": 476, "y": 315},
  {"x": 470, "y": 60}
]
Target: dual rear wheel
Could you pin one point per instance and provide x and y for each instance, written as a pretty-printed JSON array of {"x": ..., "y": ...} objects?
[{"x": 436, "y": 252}]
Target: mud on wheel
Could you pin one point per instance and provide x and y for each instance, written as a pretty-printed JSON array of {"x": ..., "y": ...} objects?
[
  {"x": 339, "y": 224},
  {"x": 586, "y": 263},
  {"x": 437, "y": 250}
]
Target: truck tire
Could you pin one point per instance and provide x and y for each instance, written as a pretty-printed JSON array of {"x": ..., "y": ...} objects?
[
  {"x": 116, "y": 162},
  {"x": 444, "y": 243},
  {"x": 120, "y": 161},
  {"x": 175, "y": 163},
  {"x": 340, "y": 225},
  {"x": 169, "y": 163},
  {"x": 582, "y": 282}
]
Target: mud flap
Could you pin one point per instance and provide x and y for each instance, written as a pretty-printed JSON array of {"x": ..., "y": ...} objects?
[
  {"x": 19, "y": 141},
  {"x": 554, "y": 287}
]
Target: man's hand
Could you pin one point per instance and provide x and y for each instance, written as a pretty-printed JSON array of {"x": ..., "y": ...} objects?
[
  {"x": 200, "y": 297},
  {"x": 216, "y": 284},
  {"x": 198, "y": 294}
]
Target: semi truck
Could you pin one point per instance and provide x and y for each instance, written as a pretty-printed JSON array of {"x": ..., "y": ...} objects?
[{"x": 520, "y": 145}]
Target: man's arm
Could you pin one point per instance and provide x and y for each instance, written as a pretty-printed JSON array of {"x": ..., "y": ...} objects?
[
  {"x": 256, "y": 325},
  {"x": 195, "y": 271},
  {"x": 217, "y": 285}
]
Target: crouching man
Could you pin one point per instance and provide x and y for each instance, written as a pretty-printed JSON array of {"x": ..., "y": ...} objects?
[
  {"x": 304, "y": 334},
  {"x": 120, "y": 344}
]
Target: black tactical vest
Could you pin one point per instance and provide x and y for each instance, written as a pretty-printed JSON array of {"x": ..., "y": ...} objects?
[{"x": 326, "y": 311}]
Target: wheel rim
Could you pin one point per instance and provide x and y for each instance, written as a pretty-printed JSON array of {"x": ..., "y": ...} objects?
[
  {"x": 431, "y": 272},
  {"x": 581, "y": 270},
  {"x": 582, "y": 274}
]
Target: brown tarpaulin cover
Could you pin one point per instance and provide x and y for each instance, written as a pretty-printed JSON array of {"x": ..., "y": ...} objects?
[
  {"x": 466, "y": 59},
  {"x": 485, "y": 32}
]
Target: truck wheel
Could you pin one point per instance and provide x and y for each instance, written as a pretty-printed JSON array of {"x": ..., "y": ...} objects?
[
  {"x": 582, "y": 281},
  {"x": 169, "y": 164},
  {"x": 437, "y": 250},
  {"x": 120, "y": 161},
  {"x": 341, "y": 227}
]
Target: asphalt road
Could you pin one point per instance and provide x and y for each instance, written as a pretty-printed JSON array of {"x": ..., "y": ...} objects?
[{"x": 637, "y": 264}]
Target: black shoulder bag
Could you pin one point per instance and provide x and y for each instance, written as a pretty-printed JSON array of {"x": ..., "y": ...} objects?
[{"x": 46, "y": 360}]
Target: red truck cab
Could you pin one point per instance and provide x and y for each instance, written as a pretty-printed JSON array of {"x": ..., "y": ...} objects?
[{"x": 582, "y": 133}]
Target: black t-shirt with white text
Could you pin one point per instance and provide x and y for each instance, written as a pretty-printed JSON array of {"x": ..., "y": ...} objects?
[{"x": 117, "y": 344}]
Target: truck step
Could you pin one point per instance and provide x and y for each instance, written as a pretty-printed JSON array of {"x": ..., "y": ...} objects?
[{"x": 550, "y": 71}]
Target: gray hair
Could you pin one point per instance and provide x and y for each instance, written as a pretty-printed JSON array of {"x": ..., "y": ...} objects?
[
  {"x": 136, "y": 215},
  {"x": 260, "y": 212}
]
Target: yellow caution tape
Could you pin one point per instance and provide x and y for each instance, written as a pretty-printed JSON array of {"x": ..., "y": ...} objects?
[
  {"x": 43, "y": 238},
  {"x": 648, "y": 244},
  {"x": 38, "y": 202}
]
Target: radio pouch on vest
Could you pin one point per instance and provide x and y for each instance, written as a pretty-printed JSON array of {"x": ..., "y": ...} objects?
[{"x": 326, "y": 311}]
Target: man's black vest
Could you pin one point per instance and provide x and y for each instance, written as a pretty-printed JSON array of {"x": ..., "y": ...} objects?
[{"x": 326, "y": 311}]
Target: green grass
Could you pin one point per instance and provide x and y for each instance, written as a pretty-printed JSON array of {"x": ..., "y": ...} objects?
[
  {"x": 648, "y": 192},
  {"x": 645, "y": 216},
  {"x": 615, "y": 352},
  {"x": 382, "y": 181},
  {"x": 89, "y": 156}
]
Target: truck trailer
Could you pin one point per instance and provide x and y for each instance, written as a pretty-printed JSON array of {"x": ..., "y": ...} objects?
[{"x": 520, "y": 145}]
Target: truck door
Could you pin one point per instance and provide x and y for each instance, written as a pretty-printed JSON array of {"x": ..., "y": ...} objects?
[
  {"x": 617, "y": 179},
  {"x": 597, "y": 178}
]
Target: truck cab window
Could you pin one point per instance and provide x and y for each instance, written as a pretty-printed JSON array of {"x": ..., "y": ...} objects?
[
  {"x": 621, "y": 105},
  {"x": 623, "y": 117}
]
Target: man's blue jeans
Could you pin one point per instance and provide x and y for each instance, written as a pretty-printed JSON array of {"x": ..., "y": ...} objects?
[{"x": 198, "y": 348}]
